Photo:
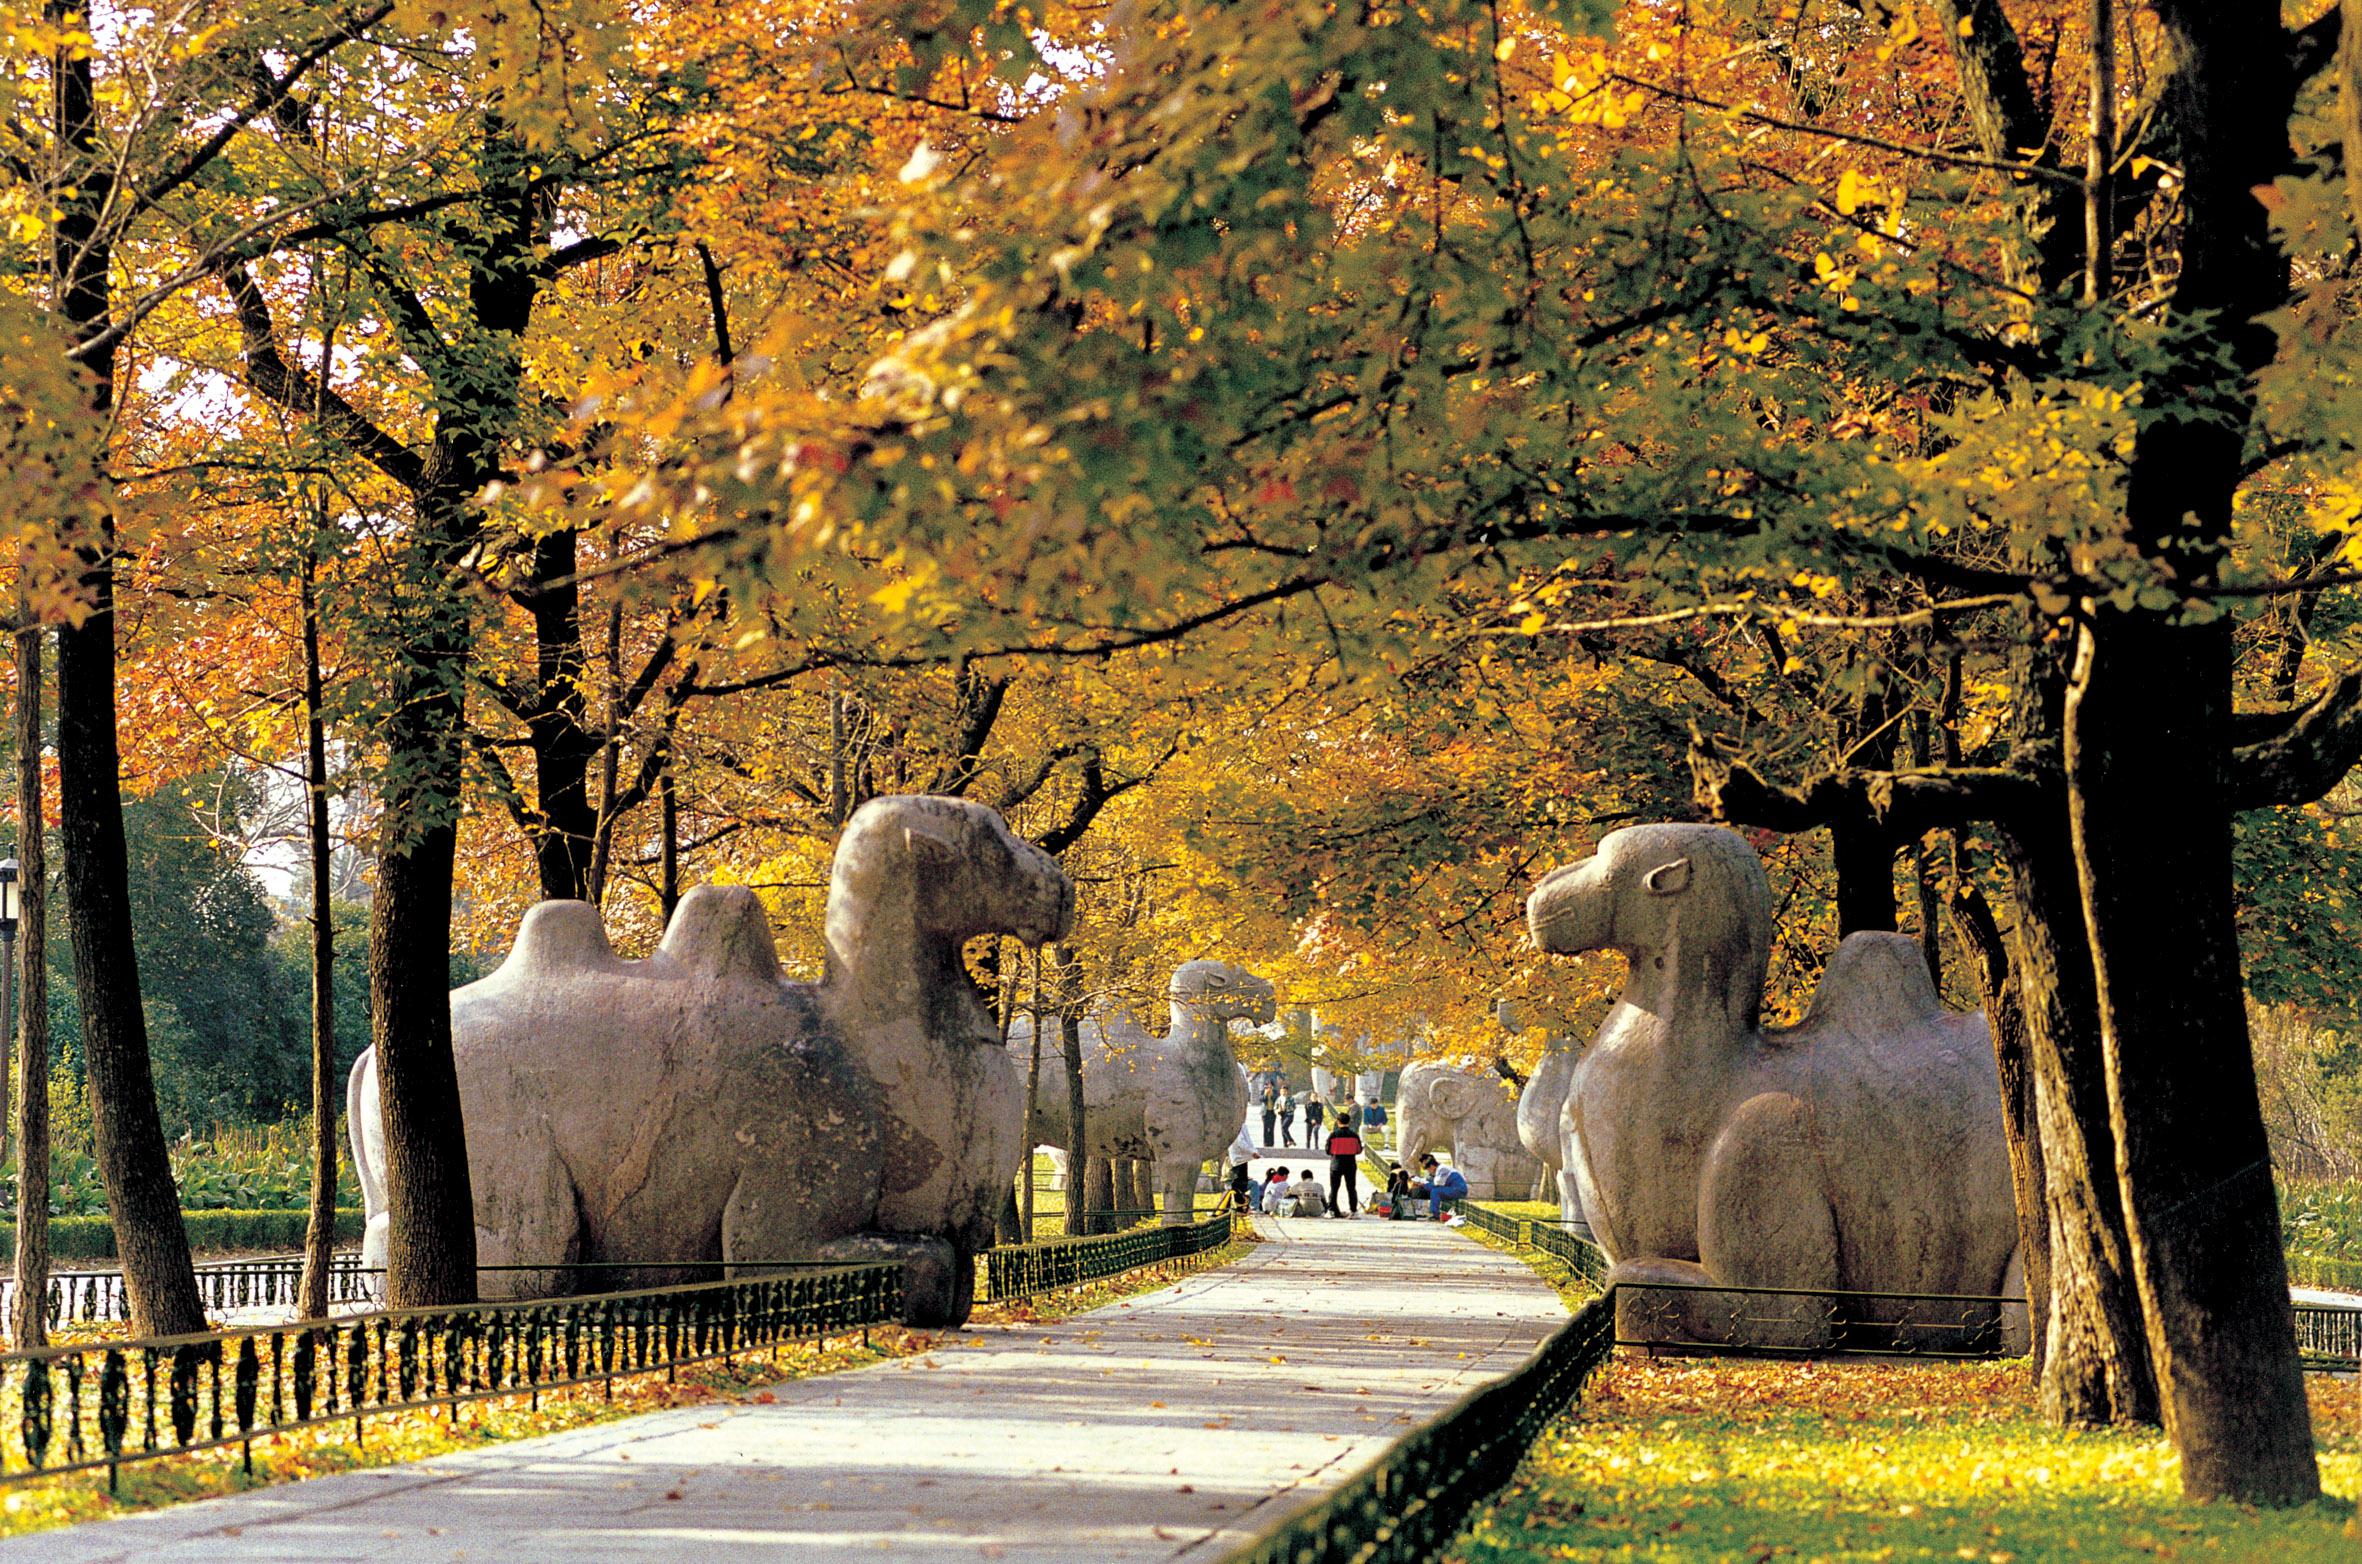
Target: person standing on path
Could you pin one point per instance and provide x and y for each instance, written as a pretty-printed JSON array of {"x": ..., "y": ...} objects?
[
  {"x": 1316, "y": 1121},
  {"x": 1344, "y": 1166},
  {"x": 1270, "y": 1114},
  {"x": 1287, "y": 1118}
]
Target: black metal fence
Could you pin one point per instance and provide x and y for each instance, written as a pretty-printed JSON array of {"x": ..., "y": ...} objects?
[
  {"x": 95, "y": 1297},
  {"x": 67, "y": 1409},
  {"x": 1022, "y": 1271},
  {"x": 1412, "y": 1503},
  {"x": 1718, "y": 1319},
  {"x": 1776, "y": 1321}
]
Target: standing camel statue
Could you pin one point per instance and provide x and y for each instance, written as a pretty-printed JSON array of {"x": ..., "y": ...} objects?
[
  {"x": 1173, "y": 1101},
  {"x": 696, "y": 1107},
  {"x": 1859, "y": 1151},
  {"x": 1541, "y": 1109}
]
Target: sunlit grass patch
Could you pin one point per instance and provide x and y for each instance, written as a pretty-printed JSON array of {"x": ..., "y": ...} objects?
[{"x": 1703, "y": 1459}]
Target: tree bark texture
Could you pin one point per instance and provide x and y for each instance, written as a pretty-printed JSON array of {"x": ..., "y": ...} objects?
[
  {"x": 2096, "y": 1368},
  {"x": 141, "y": 1197},
  {"x": 319, "y": 1242},
  {"x": 30, "y": 1327},
  {"x": 2150, "y": 700}
]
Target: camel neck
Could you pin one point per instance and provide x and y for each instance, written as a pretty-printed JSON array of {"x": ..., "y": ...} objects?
[{"x": 1689, "y": 997}]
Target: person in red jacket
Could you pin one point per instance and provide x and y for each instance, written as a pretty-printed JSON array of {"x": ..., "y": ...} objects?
[{"x": 1344, "y": 1167}]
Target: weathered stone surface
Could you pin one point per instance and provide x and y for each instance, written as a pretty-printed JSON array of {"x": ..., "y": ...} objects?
[
  {"x": 1457, "y": 1108},
  {"x": 1541, "y": 1109},
  {"x": 695, "y": 1106},
  {"x": 1172, "y": 1101},
  {"x": 1859, "y": 1150}
]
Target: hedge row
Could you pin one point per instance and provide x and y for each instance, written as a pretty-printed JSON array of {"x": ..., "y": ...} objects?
[
  {"x": 2322, "y": 1270},
  {"x": 79, "y": 1238}
]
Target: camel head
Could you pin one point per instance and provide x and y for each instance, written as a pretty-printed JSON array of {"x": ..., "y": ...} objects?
[
  {"x": 1224, "y": 992},
  {"x": 1654, "y": 892},
  {"x": 915, "y": 879}
]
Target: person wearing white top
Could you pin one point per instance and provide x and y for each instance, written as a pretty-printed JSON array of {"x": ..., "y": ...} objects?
[
  {"x": 1241, "y": 1154},
  {"x": 1275, "y": 1189},
  {"x": 1307, "y": 1195}
]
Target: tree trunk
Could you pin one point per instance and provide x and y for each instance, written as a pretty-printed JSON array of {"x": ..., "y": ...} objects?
[
  {"x": 30, "y": 1327},
  {"x": 150, "y": 1238},
  {"x": 1033, "y": 1102},
  {"x": 668, "y": 847},
  {"x": 1864, "y": 857},
  {"x": 2096, "y": 1368},
  {"x": 431, "y": 1248},
  {"x": 319, "y": 1239},
  {"x": 557, "y": 724},
  {"x": 1079, "y": 1184},
  {"x": 2005, "y": 1015},
  {"x": 2150, "y": 699},
  {"x": 1098, "y": 1195}
]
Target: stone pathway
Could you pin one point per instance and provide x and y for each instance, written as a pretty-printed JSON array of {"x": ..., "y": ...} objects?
[{"x": 1169, "y": 1427}]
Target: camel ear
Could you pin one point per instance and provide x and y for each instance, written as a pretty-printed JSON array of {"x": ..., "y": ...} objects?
[
  {"x": 1667, "y": 879},
  {"x": 929, "y": 843}
]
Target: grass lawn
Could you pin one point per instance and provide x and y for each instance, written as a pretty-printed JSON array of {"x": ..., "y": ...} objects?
[{"x": 1680, "y": 1460}]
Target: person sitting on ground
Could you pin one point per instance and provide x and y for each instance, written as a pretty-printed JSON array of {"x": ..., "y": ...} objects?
[
  {"x": 1344, "y": 1166},
  {"x": 1241, "y": 1177},
  {"x": 1439, "y": 1185},
  {"x": 1305, "y": 1192},
  {"x": 1275, "y": 1190},
  {"x": 1398, "y": 1192}
]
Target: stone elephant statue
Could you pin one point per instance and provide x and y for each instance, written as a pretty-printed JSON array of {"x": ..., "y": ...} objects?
[
  {"x": 697, "y": 1107},
  {"x": 1858, "y": 1151},
  {"x": 1467, "y": 1112}
]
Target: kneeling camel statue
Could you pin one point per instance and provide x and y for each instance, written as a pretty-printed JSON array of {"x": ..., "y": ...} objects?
[
  {"x": 697, "y": 1107},
  {"x": 1858, "y": 1151}
]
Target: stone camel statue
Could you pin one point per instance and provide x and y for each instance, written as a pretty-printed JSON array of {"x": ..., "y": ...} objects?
[
  {"x": 1172, "y": 1101},
  {"x": 1860, "y": 1150},
  {"x": 1457, "y": 1107},
  {"x": 696, "y": 1106}
]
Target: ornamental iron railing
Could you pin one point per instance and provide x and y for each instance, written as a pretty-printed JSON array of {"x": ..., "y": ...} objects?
[
  {"x": 1023, "y": 1271},
  {"x": 108, "y": 1403},
  {"x": 1789, "y": 1322},
  {"x": 95, "y": 1297},
  {"x": 2329, "y": 1335},
  {"x": 1411, "y": 1504}
]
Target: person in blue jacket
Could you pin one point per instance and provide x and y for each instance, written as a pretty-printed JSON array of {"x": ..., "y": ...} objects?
[{"x": 1439, "y": 1184}]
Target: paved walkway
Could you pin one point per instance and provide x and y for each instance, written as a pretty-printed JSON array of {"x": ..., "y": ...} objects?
[{"x": 1169, "y": 1427}]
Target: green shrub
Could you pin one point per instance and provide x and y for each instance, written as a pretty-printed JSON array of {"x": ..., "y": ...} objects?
[
  {"x": 2322, "y": 1218},
  {"x": 2321, "y": 1270},
  {"x": 75, "y": 1239}
]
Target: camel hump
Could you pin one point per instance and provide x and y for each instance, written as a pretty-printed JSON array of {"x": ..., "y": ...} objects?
[
  {"x": 1877, "y": 985},
  {"x": 720, "y": 931},
  {"x": 558, "y": 938}
]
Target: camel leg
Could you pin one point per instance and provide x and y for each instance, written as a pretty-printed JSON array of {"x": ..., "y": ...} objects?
[
  {"x": 527, "y": 1213},
  {"x": 1764, "y": 1221},
  {"x": 1176, "y": 1180}
]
